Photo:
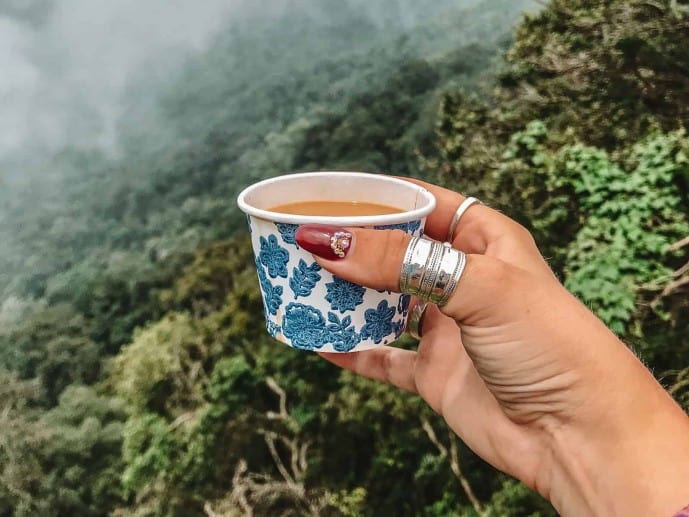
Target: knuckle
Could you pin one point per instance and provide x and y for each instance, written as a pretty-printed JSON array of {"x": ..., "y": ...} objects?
[
  {"x": 495, "y": 277},
  {"x": 523, "y": 234},
  {"x": 493, "y": 272}
]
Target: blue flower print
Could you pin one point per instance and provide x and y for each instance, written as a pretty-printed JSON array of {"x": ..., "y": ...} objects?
[
  {"x": 399, "y": 226},
  {"x": 274, "y": 257},
  {"x": 343, "y": 295},
  {"x": 304, "y": 278},
  {"x": 398, "y": 328},
  {"x": 341, "y": 334},
  {"x": 271, "y": 294},
  {"x": 248, "y": 220},
  {"x": 273, "y": 328},
  {"x": 304, "y": 326},
  {"x": 287, "y": 232},
  {"x": 378, "y": 322},
  {"x": 403, "y": 304},
  {"x": 413, "y": 227}
]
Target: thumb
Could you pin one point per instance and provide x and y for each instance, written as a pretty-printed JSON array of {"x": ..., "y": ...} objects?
[{"x": 373, "y": 258}]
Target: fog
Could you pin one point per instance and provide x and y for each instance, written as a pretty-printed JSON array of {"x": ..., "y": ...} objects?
[{"x": 65, "y": 65}]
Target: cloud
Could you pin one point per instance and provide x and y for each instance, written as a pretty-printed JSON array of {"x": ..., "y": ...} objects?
[{"x": 63, "y": 80}]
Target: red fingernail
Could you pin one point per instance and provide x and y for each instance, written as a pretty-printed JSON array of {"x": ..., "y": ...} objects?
[{"x": 329, "y": 242}]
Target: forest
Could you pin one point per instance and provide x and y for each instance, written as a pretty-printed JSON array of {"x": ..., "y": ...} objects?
[{"x": 137, "y": 378}]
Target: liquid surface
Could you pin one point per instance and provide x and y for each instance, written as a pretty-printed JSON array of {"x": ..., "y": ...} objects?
[{"x": 335, "y": 208}]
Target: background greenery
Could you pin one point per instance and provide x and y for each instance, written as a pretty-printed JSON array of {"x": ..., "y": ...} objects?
[{"x": 136, "y": 377}]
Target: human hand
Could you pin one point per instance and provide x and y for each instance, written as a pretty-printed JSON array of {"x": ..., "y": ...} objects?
[{"x": 525, "y": 374}]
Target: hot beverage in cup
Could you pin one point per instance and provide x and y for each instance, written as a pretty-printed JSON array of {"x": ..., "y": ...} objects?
[
  {"x": 305, "y": 306},
  {"x": 335, "y": 208}
]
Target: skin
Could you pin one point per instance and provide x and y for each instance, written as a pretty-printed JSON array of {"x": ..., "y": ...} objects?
[{"x": 526, "y": 375}]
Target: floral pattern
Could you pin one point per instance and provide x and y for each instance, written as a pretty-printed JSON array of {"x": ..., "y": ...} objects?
[
  {"x": 304, "y": 326},
  {"x": 287, "y": 232},
  {"x": 411, "y": 227},
  {"x": 274, "y": 257},
  {"x": 273, "y": 328},
  {"x": 308, "y": 308},
  {"x": 342, "y": 334},
  {"x": 403, "y": 304},
  {"x": 343, "y": 295},
  {"x": 398, "y": 328},
  {"x": 271, "y": 294},
  {"x": 378, "y": 322},
  {"x": 304, "y": 278}
]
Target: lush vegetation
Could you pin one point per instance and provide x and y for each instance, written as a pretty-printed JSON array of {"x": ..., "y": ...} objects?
[{"x": 137, "y": 376}]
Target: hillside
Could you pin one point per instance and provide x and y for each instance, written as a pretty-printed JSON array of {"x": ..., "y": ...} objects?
[{"x": 131, "y": 346}]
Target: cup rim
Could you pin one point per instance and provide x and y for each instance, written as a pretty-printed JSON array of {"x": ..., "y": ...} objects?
[{"x": 361, "y": 220}]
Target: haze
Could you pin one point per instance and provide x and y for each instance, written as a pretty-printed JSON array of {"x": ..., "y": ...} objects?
[{"x": 64, "y": 66}]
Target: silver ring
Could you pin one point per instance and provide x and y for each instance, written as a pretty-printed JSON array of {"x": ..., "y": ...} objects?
[
  {"x": 431, "y": 270},
  {"x": 415, "y": 265},
  {"x": 415, "y": 321},
  {"x": 463, "y": 207}
]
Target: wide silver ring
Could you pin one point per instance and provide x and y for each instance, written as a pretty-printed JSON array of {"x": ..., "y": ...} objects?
[
  {"x": 431, "y": 270},
  {"x": 461, "y": 209},
  {"x": 415, "y": 321}
]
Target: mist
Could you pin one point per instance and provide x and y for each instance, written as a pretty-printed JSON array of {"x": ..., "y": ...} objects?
[{"x": 65, "y": 66}]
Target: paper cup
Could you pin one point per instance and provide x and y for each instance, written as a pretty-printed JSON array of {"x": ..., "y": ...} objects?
[{"x": 305, "y": 306}]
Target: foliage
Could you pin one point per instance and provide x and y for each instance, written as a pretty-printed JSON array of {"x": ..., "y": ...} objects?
[
  {"x": 623, "y": 62},
  {"x": 137, "y": 375},
  {"x": 622, "y": 221},
  {"x": 514, "y": 499}
]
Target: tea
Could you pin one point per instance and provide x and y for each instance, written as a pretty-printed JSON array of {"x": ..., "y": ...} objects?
[{"x": 336, "y": 208}]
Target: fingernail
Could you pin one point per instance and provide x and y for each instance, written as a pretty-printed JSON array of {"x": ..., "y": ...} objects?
[{"x": 326, "y": 241}]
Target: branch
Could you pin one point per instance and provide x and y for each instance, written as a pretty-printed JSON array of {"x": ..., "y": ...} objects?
[
  {"x": 239, "y": 488},
  {"x": 681, "y": 381},
  {"x": 270, "y": 441},
  {"x": 253, "y": 492},
  {"x": 283, "y": 414},
  {"x": 679, "y": 244},
  {"x": 454, "y": 463}
]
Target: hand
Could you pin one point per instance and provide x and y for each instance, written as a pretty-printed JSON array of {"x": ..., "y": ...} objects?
[{"x": 528, "y": 377}]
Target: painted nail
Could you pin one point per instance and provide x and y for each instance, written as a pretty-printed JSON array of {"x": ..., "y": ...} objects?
[{"x": 326, "y": 241}]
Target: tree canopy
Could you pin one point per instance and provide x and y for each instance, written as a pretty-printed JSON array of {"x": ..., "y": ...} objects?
[{"x": 137, "y": 377}]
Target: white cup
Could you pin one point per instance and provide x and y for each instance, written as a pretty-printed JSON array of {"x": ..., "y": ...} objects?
[{"x": 305, "y": 306}]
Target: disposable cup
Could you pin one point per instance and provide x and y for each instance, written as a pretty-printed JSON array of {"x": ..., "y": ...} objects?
[{"x": 305, "y": 306}]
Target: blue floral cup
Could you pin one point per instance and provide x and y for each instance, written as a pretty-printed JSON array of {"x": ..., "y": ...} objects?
[{"x": 305, "y": 306}]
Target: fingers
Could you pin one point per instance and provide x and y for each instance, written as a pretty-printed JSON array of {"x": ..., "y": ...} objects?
[
  {"x": 387, "y": 364},
  {"x": 374, "y": 258},
  {"x": 443, "y": 374},
  {"x": 482, "y": 230},
  {"x": 424, "y": 372},
  {"x": 440, "y": 355}
]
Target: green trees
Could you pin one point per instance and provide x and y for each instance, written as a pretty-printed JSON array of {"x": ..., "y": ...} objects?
[
  {"x": 621, "y": 64},
  {"x": 137, "y": 375}
]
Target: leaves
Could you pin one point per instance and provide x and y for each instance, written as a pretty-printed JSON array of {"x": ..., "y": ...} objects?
[{"x": 304, "y": 278}]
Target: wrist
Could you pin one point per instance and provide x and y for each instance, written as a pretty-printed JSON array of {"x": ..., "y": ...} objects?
[{"x": 624, "y": 454}]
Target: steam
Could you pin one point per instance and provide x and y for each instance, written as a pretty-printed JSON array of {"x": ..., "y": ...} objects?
[{"x": 64, "y": 74}]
